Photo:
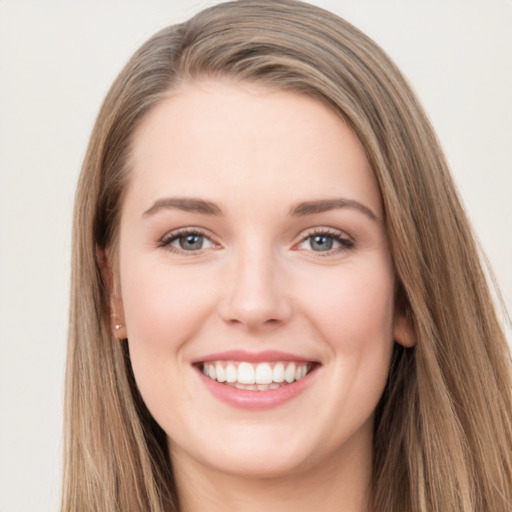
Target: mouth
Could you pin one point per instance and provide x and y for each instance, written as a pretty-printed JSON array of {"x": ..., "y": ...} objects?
[
  {"x": 256, "y": 381},
  {"x": 262, "y": 376}
]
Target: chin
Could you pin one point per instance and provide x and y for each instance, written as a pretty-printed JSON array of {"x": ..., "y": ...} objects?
[
  {"x": 259, "y": 464},
  {"x": 252, "y": 452}
]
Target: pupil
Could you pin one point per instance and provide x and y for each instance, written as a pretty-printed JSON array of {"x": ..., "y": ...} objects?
[
  {"x": 191, "y": 242},
  {"x": 322, "y": 243}
]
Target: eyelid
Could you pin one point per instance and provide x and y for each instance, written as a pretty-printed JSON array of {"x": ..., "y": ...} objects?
[
  {"x": 165, "y": 241},
  {"x": 346, "y": 241}
]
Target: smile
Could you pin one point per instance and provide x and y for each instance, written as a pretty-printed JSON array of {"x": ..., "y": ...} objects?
[
  {"x": 262, "y": 376},
  {"x": 256, "y": 381}
]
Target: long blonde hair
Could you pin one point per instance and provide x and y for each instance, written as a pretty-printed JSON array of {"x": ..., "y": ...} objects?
[{"x": 443, "y": 433}]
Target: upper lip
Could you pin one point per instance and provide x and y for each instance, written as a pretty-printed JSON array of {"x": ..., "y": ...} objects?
[{"x": 252, "y": 357}]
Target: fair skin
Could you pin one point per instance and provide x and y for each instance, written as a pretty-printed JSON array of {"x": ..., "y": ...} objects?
[{"x": 252, "y": 223}]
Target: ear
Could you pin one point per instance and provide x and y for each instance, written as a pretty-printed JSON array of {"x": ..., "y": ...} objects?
[
  {"x": 111, "y": 280},
  {"x": 403, "y": 331}
]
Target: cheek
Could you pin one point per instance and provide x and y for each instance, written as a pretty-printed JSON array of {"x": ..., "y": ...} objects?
[
  {"x": 352, "y": 305},
  {"x": 163, "y": 307},
  {"x": 356, "y": 318}
]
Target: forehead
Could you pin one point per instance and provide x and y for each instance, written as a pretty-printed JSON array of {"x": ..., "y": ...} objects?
[{"x": 225, "y": 140}]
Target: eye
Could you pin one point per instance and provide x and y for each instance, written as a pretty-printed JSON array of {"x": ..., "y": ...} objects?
[
  {"x": 186, "y": 240},
  {"x": 191, "y": 242},
  {"x": 326, "y": 241}
]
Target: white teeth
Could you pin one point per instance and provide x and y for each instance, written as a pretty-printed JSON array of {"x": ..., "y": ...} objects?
[
  {"x": 246, "y": 373},
  {"x": 289, "y": 374},
  {"x": 231, "y": 373},
  {"x": 263, "y": 374},
  {"x": 300, "y": 372},
  {"x": 278, "y": 373},
  {"x": 221, "y": 374},
  {"x": 261, "y": 377},
  {"x": 250, "y": 387}
]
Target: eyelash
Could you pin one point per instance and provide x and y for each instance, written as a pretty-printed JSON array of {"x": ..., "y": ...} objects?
[
  {"x": 345, "y": 242},
  {"x": 168, "y": 239}
]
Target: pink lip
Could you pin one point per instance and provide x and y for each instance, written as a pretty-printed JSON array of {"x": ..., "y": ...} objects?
[
  {"x": 256, "y": 400},
  {"x": 251, "y": 357}
]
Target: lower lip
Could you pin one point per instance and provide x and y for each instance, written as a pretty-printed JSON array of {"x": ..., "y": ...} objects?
[{"x": 255, "y": 400}]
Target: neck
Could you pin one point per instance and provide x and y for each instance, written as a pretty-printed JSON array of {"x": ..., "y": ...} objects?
[{"x": 339, "y": 484}]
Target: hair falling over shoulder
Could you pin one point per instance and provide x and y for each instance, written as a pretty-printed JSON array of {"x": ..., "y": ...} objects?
[{"x": 443, "y": 432}]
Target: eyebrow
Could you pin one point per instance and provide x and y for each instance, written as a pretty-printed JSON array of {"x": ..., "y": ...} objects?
[
  {"x": 186, "y": 204},
  {"x": 324, "y": 205},
  {"x": 195, "y": 205}
]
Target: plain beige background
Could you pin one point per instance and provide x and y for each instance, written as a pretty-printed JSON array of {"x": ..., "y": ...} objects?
[{"x": 57, "y": 60}]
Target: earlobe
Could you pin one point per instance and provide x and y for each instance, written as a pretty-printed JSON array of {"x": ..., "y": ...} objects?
[
  {"x": 117, "y": 321},
  {"x": 403, "y": 331}
]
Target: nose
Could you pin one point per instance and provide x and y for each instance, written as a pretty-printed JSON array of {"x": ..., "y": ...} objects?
[{"x": 255, "y": 296}]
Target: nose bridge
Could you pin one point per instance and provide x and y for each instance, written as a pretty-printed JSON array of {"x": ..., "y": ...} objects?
[{"x": 256, "y": 295}]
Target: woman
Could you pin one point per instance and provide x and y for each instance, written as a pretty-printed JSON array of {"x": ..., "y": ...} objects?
[{"x": 277, "y": 300}]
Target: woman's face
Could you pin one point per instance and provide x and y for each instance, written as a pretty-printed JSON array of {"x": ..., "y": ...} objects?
[{"x": 252, "y": 249}]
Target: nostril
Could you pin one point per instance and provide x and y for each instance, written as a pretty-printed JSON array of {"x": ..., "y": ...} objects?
[
  {"x": 255, "y": 294},
  {"x": 255, "y": 311}
]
